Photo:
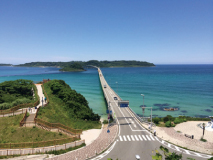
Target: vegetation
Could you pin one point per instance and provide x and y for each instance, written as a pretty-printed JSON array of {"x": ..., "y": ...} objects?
[
  {"x": 3, "y": 64},
  {"x": 73, "y": 67},
  {"x": 166, "y": 154},
  {"x": 170, "y": 121},
  {"x": 10, "y": 132},
  {"x": 203, "y": 140},
  {"x": 13, "y": 93},
  {"x": 67, "y": 107},
  {"x": 65, "y": 65}
]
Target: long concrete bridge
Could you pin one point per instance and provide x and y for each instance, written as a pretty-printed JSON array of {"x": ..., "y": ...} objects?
[{"x": 133, "y": 139}]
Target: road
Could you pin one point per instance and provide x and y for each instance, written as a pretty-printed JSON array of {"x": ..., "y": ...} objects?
[{"x": 132, "y": 138}]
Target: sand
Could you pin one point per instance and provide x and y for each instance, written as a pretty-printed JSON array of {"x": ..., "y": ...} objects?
[{"x": 90, "y": 135}]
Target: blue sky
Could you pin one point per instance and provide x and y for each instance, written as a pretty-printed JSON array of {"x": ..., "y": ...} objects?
[{"x": 161, "y": 32}]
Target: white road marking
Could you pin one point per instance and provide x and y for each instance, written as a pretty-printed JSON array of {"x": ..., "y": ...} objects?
[
  {"x": 152, "y": 138},
  {"x": 148, "y": 137},
  {"x": 132, "y": 138},
  {"x": 136, "y": 138},
  {"x": 128, "y": 138},
  {"x": 140, "y": 138},
  {"x": 177, "y": 148},
  {"x": 187, "y": 152},
  {"x": 144, "y": 137},
  {"x": 124, "y": 138},
  {"x": 120, "y": 138}
]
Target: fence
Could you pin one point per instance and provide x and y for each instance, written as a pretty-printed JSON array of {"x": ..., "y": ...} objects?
[
  {"x": 60, "y": 127},
  {"x": 22, "y": 122},
  {"x": 37, "y": 144}
]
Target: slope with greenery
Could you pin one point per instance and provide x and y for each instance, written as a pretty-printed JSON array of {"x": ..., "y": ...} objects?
[
  {"x": 67, "y": 107},
  {"x": 10, "y": 132},
  {"x": 13, "y": 93}
]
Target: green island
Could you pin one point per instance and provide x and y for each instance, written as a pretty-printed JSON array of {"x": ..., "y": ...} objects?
[{"x": 80, "y": 65}]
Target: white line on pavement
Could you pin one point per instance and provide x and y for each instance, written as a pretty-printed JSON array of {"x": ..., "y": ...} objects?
[
  {"x": 132, "y": 138},
  {"x": 136, "y": 138},
  {"x": 144, "y": 137},
  {"x": 148, "y": 138}
]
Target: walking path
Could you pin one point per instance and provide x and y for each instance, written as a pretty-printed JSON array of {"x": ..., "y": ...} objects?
[
  {"x": 33, "y": 110},
  {"x": 176, "y": 136}
]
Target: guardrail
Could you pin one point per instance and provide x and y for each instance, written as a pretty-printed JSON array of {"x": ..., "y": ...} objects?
[
  {"x": 37, "y": 144},
  {"x": 22, "y": 122}
]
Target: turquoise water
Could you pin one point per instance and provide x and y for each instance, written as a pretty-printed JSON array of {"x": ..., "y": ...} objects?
[{"x": 188, "y": 87}]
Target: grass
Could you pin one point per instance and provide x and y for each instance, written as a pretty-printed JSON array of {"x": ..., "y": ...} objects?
[
  {"x": 10, "y": 132},
  {"x": 54, "y": 112}
]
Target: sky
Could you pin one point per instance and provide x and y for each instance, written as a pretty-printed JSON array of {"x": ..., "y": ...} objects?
[{"x": 160, "y": 32}]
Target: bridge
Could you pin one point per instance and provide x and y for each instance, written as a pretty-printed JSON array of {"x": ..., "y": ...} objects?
[{"x": 133, "y": 139}]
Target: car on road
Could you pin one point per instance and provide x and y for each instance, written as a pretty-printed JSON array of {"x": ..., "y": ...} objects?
[
  {"x": 105, "y": 86},
  {"x": 115, "y": 98}
]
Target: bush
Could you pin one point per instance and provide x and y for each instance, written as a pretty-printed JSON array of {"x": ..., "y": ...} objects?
[
  {"x": 177, "y": 121},
  {"x": 203, "y": 140},
  {"x": 165, "y": 119},
  {"x": 156, "y": 120},
  {"x": 168, "y": 124}
]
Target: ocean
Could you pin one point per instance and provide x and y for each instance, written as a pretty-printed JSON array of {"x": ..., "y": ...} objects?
[{"x": 186, "y": 87}]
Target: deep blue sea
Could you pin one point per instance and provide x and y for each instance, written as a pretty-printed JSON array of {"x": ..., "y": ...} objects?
[{"x": 187, "y": 87}]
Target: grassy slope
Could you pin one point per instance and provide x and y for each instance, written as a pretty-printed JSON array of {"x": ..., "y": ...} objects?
[
  {"x": 10, "y": 132},
  {"x": 55, "y": 113}
]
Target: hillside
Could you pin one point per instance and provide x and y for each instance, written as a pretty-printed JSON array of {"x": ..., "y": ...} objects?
[
  {"x": 13, "y": 93},
  {"x": 67, "y": 107}
]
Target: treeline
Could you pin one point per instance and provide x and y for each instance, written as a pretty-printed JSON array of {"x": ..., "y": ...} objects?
[
  {"x": 16, "y": 92},
  {"x": 3, "y": 64},
  {"x": 120, "y": 63}
]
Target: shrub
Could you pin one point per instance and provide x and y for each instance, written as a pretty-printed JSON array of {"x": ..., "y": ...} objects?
[
  {"x": 177, "y": 121},
  {"x": 168, "y": 124},
  {"x": 156, "y": 120},
  {"x": 165, "y": 119},
  {"x": 203, "y": 140},
  {"x": 105, "y": 122}
]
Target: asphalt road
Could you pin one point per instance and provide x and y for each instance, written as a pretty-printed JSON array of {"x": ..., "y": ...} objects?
[{"x": 132, "y": 138}]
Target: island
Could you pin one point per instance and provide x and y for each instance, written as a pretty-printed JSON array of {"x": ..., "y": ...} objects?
[
  {"x": 81, "y": 65},
  {"x": 75, "y": 67},
  {"x": 3, "y": 64}
]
